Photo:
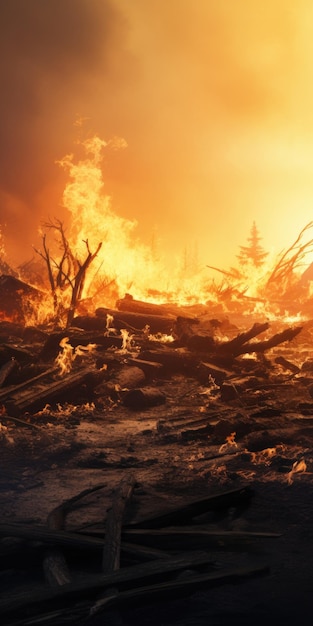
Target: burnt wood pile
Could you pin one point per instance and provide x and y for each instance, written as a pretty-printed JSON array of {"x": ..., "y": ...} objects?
[
  {"x": 255, "y": 381},
  {"x": 129, "y": 350},
  {"x": 97, "y": 569}
]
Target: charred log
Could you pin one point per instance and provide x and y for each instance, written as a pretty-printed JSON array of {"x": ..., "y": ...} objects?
[
  {"x": 35, "y": 393},
  {"x": 139, "y": 399},
  {"x": 135, "y": 321},
  {"x": 6, "y": 370},
  {"x": 128, "y": 303},
  {"x": 185, "y": 514},
  {"x": 113, "y": 529}
]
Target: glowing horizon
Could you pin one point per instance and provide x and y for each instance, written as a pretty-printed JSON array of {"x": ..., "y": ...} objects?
[{"x": 214, "y": 101}]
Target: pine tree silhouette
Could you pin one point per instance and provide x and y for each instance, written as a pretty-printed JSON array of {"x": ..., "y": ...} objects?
[{"x": 253, "y": 253}]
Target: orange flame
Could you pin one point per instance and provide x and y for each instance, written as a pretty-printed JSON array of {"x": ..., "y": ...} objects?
[
  {"x": 67, "y": 356},
  {"x": 230, "y": 443},
  {"x": 122, "y": 259},
  {"x": 298, "y": 467}
]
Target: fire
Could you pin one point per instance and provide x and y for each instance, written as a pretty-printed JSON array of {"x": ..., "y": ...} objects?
[
  {"x": 299, "y": 467},
  {"x": 159, "y": 337},
  {"x": 263, "y": 456},
  {"x": 123, "y": 260},
  {"x": 126, "y": 265},
  {"x": 230, "y": 443},
  {"x": 127, "y": 341},
  {"x": 109, "y": 328},
  {"x": 67, "y": 356},
  {"x": 122, "y": 264}
]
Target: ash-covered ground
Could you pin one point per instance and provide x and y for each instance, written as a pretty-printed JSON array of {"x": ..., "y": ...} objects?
[{"x": 195, "y": 444}]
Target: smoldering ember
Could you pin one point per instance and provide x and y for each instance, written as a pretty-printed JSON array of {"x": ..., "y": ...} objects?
[{"x": 156, "y": 454}]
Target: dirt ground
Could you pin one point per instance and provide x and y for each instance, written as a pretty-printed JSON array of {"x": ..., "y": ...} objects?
[
  {"x": 193, "y": 446},
  {"x": 48, "y": 460}
]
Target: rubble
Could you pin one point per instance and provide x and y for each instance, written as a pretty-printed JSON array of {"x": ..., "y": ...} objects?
[
  {"x": 154, "y": 397},
  {"x": 83, "y": 598}
]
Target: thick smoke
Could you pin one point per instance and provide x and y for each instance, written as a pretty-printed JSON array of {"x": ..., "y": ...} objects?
[
  {"x": 55, "y": 58},
  {"x": 214, "y": 99}
]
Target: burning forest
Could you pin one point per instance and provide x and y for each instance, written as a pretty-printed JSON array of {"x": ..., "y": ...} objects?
[{"x": 155, "y": 430}]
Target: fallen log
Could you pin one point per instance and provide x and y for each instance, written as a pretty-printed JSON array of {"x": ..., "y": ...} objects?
[
  {"x": 77, "y": 338},
  {"x": 55, "y": 567},
  {"x": 139, "y": 399},
  {"x": 112, "y": 541},
  {"x": 6, "y": 370},
  {"x": 36, "y": 392},
  {"x": 207, "y": 370},
  {"x": 137, "y": 321},
  {"x": 235, "y": 344},
  {"x": 129, "y": 377},
  {"x": 44, "y": 598},
  {"x": 142, "y": 553},
  {"x": 280, "y": 360},
  {"x": 260, "y": 346},
  {"x": 197, "y": 365},
  {"x": 185, "y": 513},
  {"x": 196, "y": 537},
  {"x": 73, "y": 541},
  {"x": 5, "y": 393},
  {"x": 175, "y": 588},
  {"x": 54, "y": 564},
  {"x": 173, "y": 360},
  {"x": 239, "y": 345},
  {"x": 149, "y": 593},
  {"x": 50, "y": 537},
  {"x": 202, "y": 342},
  {"x": 150, "y": 368},
  {"x": 114, "y": 522},
  {"x": 128, "y": 303}
]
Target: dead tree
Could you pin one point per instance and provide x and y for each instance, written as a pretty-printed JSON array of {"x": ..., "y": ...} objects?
[
  {"x": 290, "y": 260},
  {"x": 65, "y": 274}
]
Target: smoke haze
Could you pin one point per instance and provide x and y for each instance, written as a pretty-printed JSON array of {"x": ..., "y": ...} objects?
[{"x": 214, "y": 99}]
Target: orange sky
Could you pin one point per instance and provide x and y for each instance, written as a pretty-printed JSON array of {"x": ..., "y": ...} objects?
[{"x": 213, "y": 97}]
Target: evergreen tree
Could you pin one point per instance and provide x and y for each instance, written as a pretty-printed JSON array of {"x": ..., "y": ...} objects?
[{"x": 253, "y": 253}]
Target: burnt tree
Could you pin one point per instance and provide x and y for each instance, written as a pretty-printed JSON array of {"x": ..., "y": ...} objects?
[{"x": 66, "y": 274}]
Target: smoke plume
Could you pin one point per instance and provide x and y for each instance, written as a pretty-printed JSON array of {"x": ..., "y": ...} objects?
[{"x": 214, "y": 99}]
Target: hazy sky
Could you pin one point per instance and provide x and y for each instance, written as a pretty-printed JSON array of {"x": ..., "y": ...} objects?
[{"x": 214, "y": 98}]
